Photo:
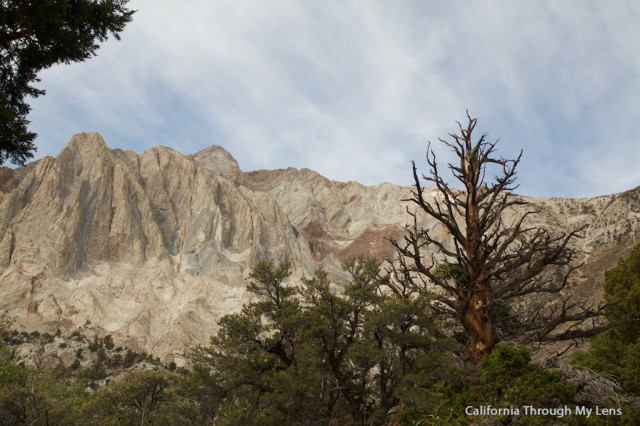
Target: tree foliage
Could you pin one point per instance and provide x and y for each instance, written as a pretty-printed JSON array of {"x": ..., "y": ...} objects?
[
  {"x": 498, "y": 276},
  {"x": 34, "y": 35},
  {"x": 141, "y": 397},
  {"x": 617, "y": 351},
  {"x": 306, "y": 354},
  {"x": 369, "y": 350},
  {"x": 37, "y": 395},
  {"x": 507, "y": 378}
]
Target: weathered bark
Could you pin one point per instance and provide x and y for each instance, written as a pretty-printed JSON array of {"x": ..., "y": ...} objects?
[{"x": 489, "y": 265}]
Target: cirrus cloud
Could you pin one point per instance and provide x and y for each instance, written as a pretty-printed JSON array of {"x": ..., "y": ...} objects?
[{"x": 354, "y": 90}]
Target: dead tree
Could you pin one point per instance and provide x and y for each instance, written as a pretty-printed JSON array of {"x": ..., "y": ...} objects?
[{"x": 498, "y": 276}]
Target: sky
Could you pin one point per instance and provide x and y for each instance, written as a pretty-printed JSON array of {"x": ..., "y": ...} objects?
[{"x": 355, "y": 90}]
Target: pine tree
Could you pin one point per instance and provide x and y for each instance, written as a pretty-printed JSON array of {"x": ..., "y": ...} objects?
[
  {"x": 35, "y": 35},
  {"x": 499, "y": 279}
]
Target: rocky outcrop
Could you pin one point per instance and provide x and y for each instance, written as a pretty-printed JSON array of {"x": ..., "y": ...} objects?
[{"x": 153, "y": 248}]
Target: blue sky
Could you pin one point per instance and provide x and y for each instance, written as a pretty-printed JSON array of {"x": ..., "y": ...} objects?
[{"x": 355, "y": 89}]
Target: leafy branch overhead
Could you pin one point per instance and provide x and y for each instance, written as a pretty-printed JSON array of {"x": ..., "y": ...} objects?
[{"x": 36, "y": 35}]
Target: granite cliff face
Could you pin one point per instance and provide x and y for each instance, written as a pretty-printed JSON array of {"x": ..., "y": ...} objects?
[{"x": 153, "y": 248}]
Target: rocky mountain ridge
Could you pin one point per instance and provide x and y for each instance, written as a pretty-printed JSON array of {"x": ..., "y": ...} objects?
[{"x": 153, "y": 248}]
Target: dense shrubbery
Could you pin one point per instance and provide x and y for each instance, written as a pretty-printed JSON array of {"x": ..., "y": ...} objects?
[
  {"x": 616, "y": 352},
  {"x": 305, "y": 354},
  {"x": 371, "y": 354}
]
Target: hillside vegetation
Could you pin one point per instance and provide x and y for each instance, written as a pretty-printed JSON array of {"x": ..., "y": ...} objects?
[{"x": 301, "y": 353}]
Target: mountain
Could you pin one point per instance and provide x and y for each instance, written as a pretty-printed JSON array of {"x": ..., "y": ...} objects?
[{"x": 153, "y": 248}]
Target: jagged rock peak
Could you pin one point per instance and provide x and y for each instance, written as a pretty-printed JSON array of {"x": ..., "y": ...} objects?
[
  {"x": 83, "y": 148},
  {"x": 87, "y": 141},
  {"x": 154, "y": 248},
  {"x": 217, "y": 159}
]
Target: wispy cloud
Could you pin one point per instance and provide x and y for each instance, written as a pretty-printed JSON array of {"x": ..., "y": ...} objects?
[{"x": 355, "y": 89}]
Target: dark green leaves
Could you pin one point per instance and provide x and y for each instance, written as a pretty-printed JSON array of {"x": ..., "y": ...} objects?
[{"x": 36, "y": 35}]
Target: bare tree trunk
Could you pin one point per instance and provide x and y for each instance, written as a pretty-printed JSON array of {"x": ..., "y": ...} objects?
[
  {"x": 490, "y": 264},
  {"x": 479, "y": 325}
]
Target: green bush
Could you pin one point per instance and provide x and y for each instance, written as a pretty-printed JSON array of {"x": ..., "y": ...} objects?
[
  {"x": 617, "y": 351},
  {"x": 509, "y": 379}
]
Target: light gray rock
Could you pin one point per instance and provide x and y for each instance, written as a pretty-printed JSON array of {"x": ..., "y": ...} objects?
[
  {"x": 219, "y": 161},
  {"x": 154, "y": 248}
]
